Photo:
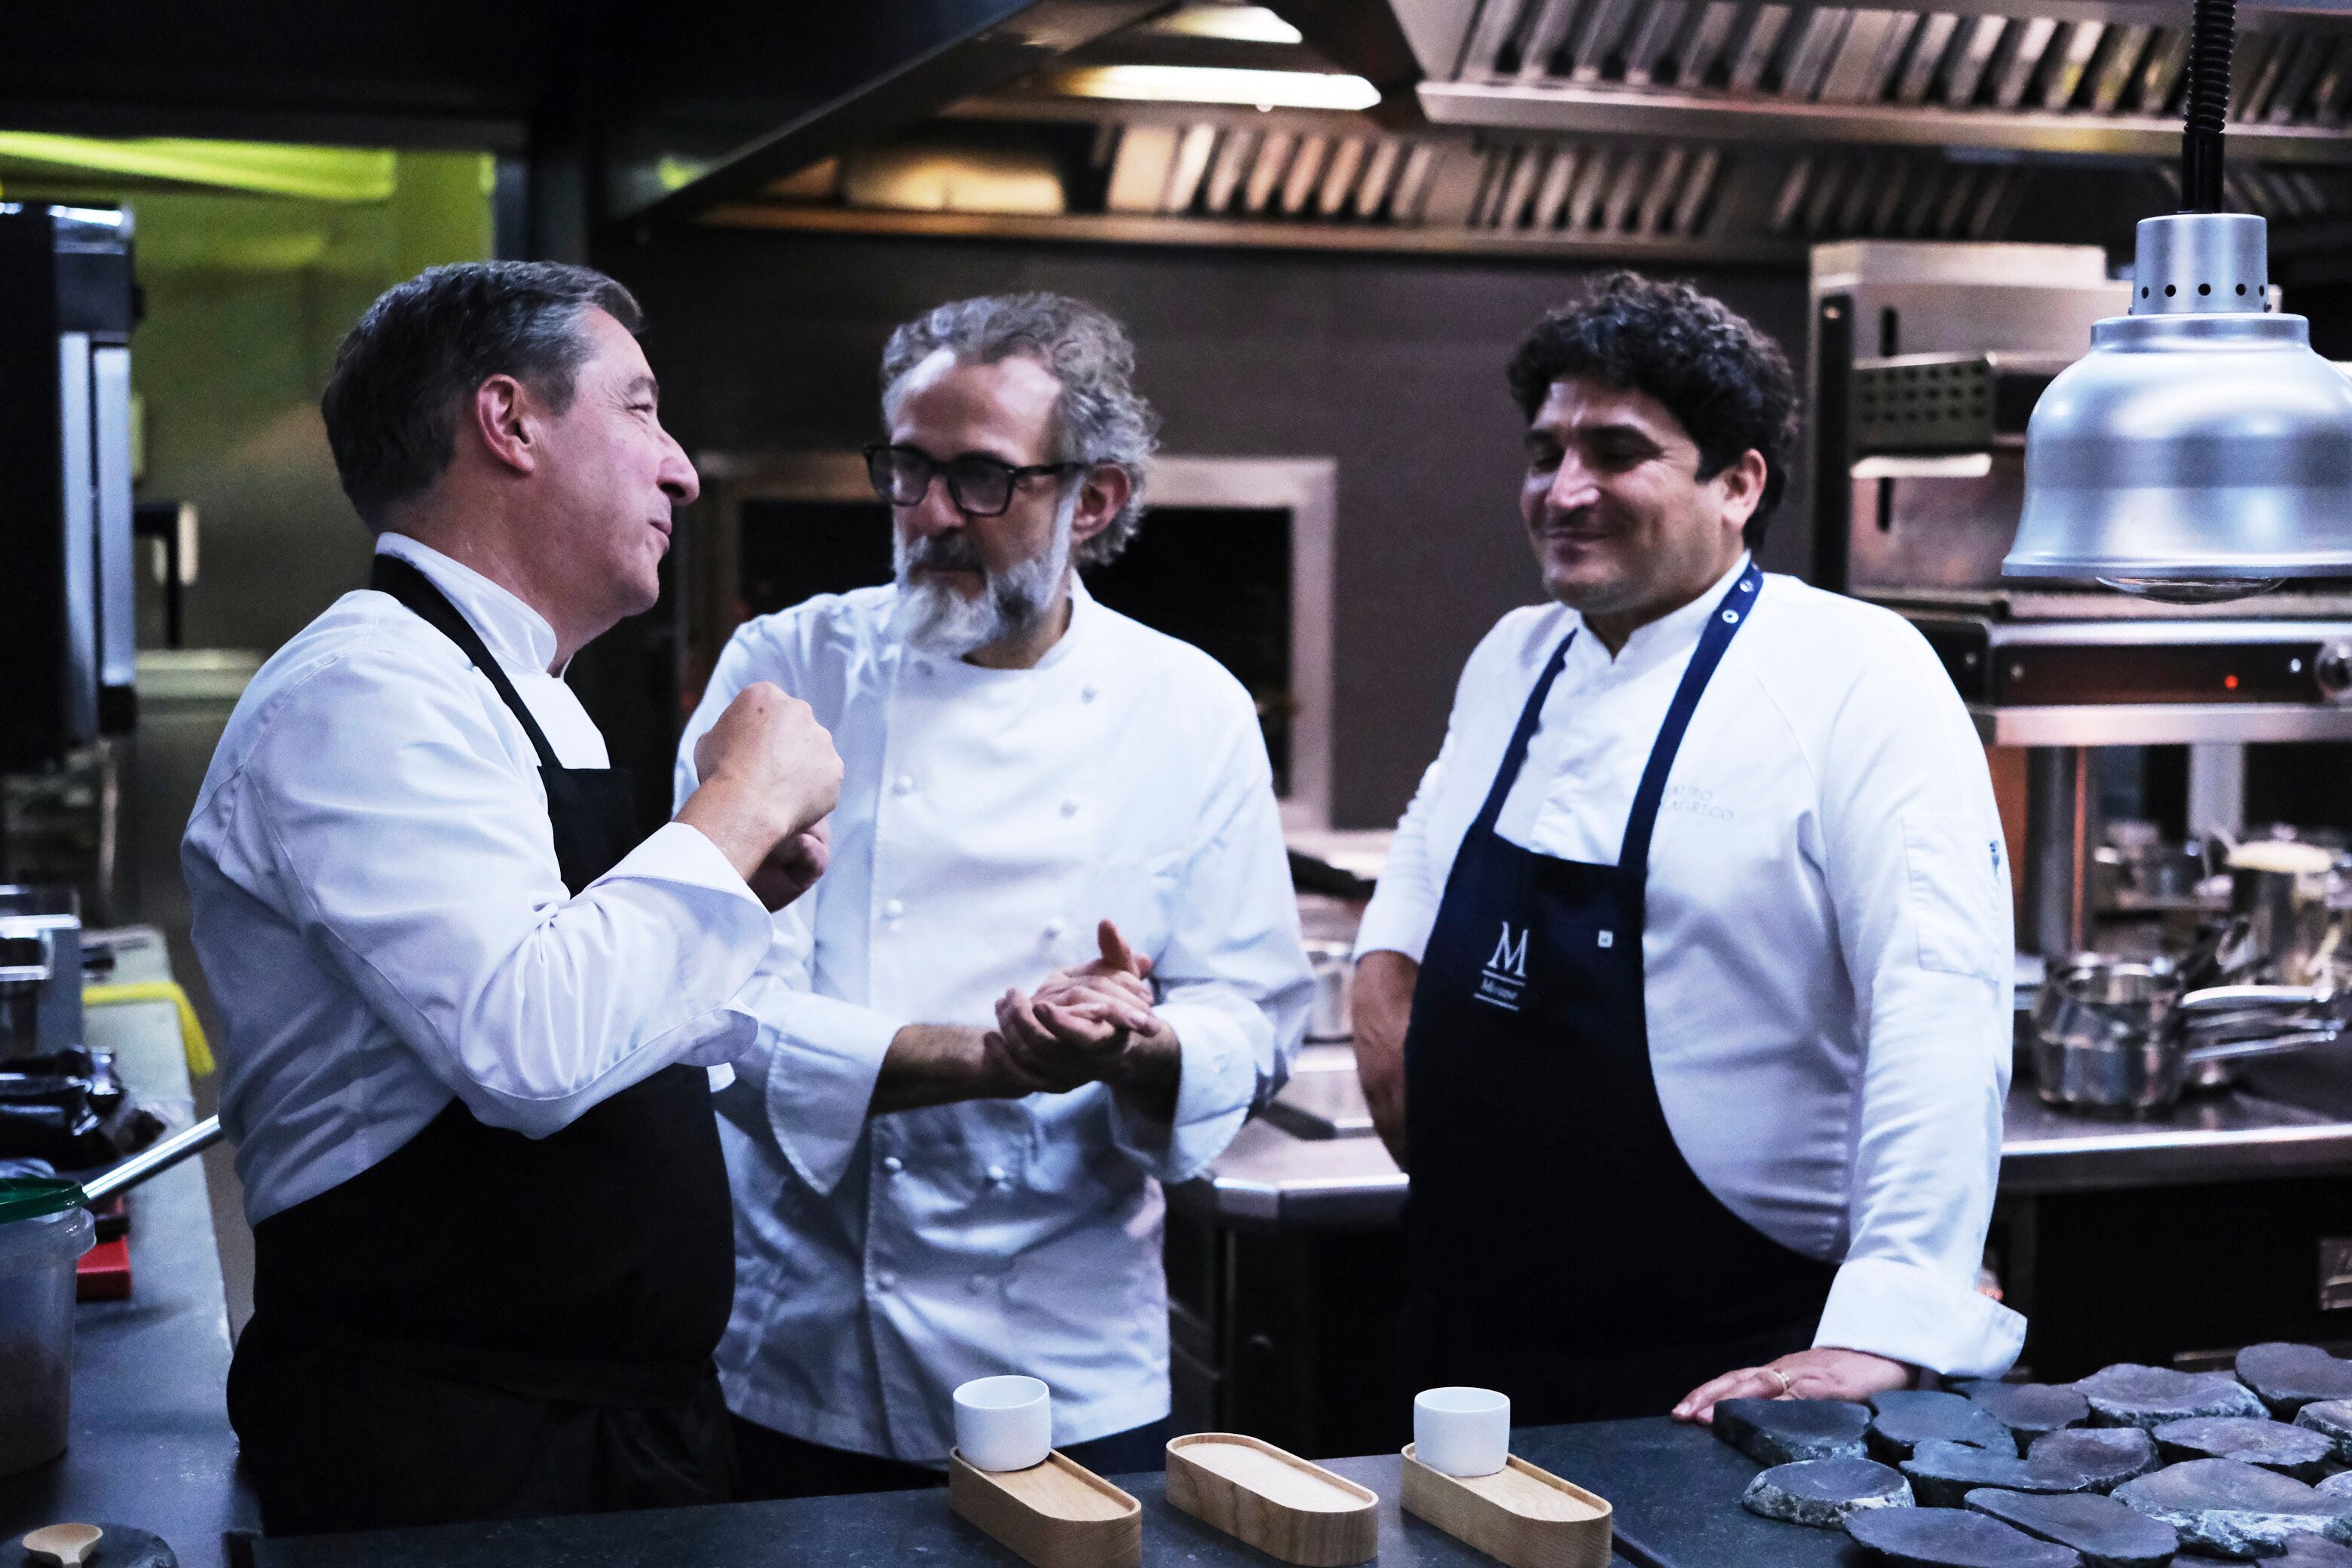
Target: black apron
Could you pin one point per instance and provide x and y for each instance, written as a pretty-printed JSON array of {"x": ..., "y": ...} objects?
[
  {"x": 485, "y": 1325},
  {"x": 1562, "y": 1250}
]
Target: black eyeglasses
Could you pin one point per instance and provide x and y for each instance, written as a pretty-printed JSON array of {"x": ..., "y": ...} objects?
[{"x": 979, "y": 485}]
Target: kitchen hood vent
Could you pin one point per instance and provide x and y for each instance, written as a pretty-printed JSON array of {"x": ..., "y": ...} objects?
[{"x": 2012, "y": 80}]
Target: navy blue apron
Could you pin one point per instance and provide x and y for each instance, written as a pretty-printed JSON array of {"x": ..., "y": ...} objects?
[
  {"x": 484, "y": 1325},
  {"x": 1562, "y": 1250}
]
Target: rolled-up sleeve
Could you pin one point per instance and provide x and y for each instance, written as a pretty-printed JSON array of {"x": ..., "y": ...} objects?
[
  {"x": 1403, "y": 907},
  {"x": 1234, "y": 984},
  {"x": 1918, "y": 876},
  {"x": 424, "y": 865},
  {"x": 812, "y": 1068}
]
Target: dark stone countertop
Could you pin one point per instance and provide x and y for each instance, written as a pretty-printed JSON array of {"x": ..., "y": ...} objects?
[{"x": 1676, "y": 1491}]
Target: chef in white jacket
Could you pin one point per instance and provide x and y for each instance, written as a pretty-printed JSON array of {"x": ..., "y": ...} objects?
[
  {"x": 947, "y": 1156},
  {"x": 1696, "y": 936}
]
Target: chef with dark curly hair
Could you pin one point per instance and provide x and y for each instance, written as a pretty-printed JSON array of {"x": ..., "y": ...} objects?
[{"x": 1684, "y": 998}]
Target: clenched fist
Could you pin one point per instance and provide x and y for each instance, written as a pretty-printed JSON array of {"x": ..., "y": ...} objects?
[{"x": 768, "y": 773}]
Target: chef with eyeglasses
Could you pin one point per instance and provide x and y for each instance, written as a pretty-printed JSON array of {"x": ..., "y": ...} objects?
[
  {"x": 1053, "y": 962},
  {"x": 1684, "y": 998}
]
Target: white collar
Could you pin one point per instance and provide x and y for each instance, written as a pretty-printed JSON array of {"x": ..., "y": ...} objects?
[
  {"x": 1673, "y": 633},
  {"x": 516, "y": 636}
]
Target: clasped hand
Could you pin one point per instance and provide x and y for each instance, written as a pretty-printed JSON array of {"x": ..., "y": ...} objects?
[{"x": 1091, "y": 1024}]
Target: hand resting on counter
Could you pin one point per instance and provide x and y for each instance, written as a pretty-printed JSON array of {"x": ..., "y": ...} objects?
[{"x": 1819, "y": 1373}]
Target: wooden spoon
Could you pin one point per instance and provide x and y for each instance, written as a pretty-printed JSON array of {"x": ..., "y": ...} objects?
[{"x": 68, "y": 1545}]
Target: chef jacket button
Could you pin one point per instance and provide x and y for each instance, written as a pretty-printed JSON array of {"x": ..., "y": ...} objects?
[
  {"x": 996, "y": 1174},
  {"x": 1056, "y": 926},
  {"x": 893, "y": 909},
  {"x": 892, "y": 1163},
  {"x": 1086, "y": 692},
  {"x": 1069, "y": 808},
  {"x": 885, "y": 1280},
  {"x": 905, "y": 785}
]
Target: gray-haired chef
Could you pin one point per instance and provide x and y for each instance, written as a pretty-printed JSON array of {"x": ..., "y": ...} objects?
[{"x": 1054, "y": 961}]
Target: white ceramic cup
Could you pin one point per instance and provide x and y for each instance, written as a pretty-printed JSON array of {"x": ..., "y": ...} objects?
[
  {"x": 1003, "y": 1423},
  {"x": 1461, "y": 1431}
]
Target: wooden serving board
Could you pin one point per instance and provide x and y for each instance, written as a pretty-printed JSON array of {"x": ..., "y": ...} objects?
[
  {"x": 1519, "y": 1515},
  {"x": 1058, "y": 1514},
  {"x": 1275, "y": 1501}
]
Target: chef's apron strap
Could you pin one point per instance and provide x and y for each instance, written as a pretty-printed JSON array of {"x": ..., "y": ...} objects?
[
  {"x": 1515, "y": 755},
  {"x": 413, "y": 588},
  {"x": 1737, "y": 604}
]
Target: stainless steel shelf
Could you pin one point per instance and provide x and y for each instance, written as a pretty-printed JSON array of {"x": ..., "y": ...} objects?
[{"x": 2161, "y": 724}]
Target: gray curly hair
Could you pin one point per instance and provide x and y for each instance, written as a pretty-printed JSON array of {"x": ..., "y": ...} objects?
[{"x": 1099, "y": 417}]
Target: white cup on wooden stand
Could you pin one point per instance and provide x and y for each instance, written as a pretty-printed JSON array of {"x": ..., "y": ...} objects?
[
  {"x": 1003, "y": 1423},
  {"x": 1461, "y": 1431}
]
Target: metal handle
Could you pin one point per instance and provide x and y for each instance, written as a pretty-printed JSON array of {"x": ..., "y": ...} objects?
[
  {"x": 153, "y": 1160},
  {"x": 2276, "y": 1046},
  {"x": 2212, "y": 998}
]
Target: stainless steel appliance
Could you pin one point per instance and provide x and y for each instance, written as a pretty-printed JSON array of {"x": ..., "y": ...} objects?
[
  {"x": 1929, "y": 361},
  {"x": 41, "y": 972},
  {"x": 66, "y": 626}
]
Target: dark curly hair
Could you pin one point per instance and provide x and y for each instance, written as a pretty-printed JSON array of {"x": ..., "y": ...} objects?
[
  {"x": 1728, "y": 383},
  {"x": 427, "y": 345}
]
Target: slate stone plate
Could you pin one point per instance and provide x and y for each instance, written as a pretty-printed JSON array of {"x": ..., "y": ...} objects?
[
  {"x": 2027, "y": 1409},
  {"x": 119, "y": 1546},
  {"x": 2106, "y": 1456},
  {"x": 2230, "y": 1510},
  {"x": 1783, "y": 1431},
  {"x": 1822, "y": 1493},
  {"x": 2332, "y": 1420},
  {"x": 2289, "y": 1377},
  {"x": 2296, "y": 1451},
  {"x": 2107, "y": 1533},
  {"x": 1943, "y": 1474},
  {"x": 1952, "y": 1538},
  {"x": 2133, "y": 1396},
  {"x": 2312, "y": 1551},
  {"x": 1911, "y": 1417}
]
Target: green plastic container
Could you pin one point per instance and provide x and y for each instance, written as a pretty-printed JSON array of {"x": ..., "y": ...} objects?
[{"x": 44, "y": 1228}]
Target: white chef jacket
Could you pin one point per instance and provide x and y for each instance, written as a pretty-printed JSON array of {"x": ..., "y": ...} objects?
[
  {"x": 1828, "y": 950},
  {"x": 378, "y": 909},
  {"x": 988, "y": 819}
]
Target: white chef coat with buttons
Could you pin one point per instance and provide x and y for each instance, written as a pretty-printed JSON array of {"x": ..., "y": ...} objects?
[
  {"x": 989, "y": 819},
  {"x": 1827, "y": 946},
  {"x": 379, "y": 913}
]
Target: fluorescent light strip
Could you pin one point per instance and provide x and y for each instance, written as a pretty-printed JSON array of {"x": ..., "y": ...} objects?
[
  {"x": 1237, "y": 24},
  {"x": 1217, "y": 84}
]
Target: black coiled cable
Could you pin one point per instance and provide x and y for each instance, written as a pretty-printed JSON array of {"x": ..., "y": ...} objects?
[{"x": 2211, "y": 35}]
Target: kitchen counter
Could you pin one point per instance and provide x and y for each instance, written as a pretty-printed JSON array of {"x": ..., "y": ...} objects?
[
  {"x": 2291, "y": 1116},
  {"x": 1675, "y": 1489},
  {"x": 150, "y": 1439}
]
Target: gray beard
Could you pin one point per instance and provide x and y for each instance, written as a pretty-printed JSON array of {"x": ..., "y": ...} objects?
[{"x": 934, "y": 618}]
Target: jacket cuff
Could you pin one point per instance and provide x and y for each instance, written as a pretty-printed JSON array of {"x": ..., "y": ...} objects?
[
  {"x": 1213, "y": 1094},
  {"x": 817, "y": 1063},
  {"x": 1912, "y": 1314}
]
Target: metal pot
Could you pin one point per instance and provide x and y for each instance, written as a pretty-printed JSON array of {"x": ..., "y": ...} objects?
[
  {"x": 2278, "y": 889},
  {"x": 2113, "y": 1034},
  {"x": 1333, "y": 965}
]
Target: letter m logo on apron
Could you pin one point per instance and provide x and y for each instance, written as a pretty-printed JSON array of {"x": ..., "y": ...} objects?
[{"x": 1506, "y": 974}]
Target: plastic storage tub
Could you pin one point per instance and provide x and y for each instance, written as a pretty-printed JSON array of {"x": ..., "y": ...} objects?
[{"x": 44, "y": 1229}]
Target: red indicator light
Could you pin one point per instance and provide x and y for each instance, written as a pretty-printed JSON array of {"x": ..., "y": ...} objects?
[{"x": 2230, "y": 683}]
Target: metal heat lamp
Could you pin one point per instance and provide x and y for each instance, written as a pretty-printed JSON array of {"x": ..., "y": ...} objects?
[{"x": 2200, "y": 451}]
